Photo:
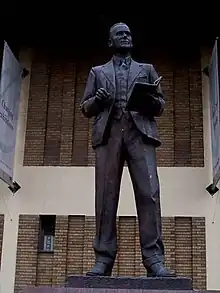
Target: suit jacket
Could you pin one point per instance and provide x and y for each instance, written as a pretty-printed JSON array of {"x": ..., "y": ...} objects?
[{"x": 103, "y": 76}]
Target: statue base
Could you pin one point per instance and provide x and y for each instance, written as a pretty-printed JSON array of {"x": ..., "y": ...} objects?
[
  {"x": 129, "y": 283},
  {"x": 87, "y": 284}
]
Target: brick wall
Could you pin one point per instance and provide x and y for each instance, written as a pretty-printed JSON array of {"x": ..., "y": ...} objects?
[
  {"x": 58, "y": 135},
  {"x": 1, "y": 235},
  {"x": 184, "y": 239},
  {"x": 27, "y": 257}
]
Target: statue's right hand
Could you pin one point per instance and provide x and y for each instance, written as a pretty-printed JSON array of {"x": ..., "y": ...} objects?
[{"x": 102, "y": 95}]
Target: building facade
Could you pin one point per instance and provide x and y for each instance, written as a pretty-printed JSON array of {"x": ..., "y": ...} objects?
[{"x": 47, "y": 227}]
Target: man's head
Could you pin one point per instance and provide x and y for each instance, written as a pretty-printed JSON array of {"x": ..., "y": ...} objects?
[{"x": 120, "y": 38}]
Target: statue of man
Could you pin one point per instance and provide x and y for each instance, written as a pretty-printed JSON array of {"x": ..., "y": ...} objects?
[{"x": 119, "y": 135}]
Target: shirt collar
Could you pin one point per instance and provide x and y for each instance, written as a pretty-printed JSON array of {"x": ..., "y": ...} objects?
[{"x": 118, "y": 60}]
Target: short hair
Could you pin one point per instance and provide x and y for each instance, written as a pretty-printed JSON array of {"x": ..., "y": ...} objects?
[{"x": 114, "y": 25}]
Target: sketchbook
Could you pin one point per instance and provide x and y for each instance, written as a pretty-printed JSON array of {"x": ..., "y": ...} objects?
[{"x": 142, "y": 95}]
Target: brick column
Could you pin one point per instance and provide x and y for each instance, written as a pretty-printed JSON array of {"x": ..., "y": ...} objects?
[
  {"x": 75, "y": 245},
  {"x": 54, "y": 116},
  {"x": 81, "y": 124},
  {"x": 60, "y": 251},
  {"x": 196, "y": 115},
  {"x": 126, "y": 246},
  {"x": 37, "y": 113},
  {"x": 27, "y": 245},
  {"x": 66, "y": 144},
  {"x": 182, "y": 139},
  {"x": 199, "y": 253},
  {"x": 168, "y": 229},
  {"x": 183, "y": 246},
  {"x": 88, "y": 253}
]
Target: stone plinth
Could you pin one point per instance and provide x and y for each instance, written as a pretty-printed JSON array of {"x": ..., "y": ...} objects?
[
  {"x": 86, "y": 284},
  {"x": 137, "y": 283}
]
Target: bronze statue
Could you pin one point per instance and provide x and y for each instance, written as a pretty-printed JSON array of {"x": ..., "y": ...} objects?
[{"x": 119, "y": 135}]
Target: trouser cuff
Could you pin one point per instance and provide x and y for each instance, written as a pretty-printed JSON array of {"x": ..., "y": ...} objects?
[
  {"x": 105, "y": 260},
  {"x": 149, "y": 261}
]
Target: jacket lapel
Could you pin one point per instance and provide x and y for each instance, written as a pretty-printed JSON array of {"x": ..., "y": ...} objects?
[
  {"x": 109, "y": 72},
  {"x": 135, "y": 69}
]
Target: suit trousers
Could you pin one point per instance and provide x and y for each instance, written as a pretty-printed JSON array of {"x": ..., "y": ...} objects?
[{"x": 127, "y": 143}]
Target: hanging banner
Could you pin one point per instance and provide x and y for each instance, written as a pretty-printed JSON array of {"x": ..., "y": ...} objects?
[
  {"x": 10, "y": 86},
  {"x": 213, "y": 73}
]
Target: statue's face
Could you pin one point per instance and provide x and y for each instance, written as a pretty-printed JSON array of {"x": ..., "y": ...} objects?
[{"x": 120, "y": 37}]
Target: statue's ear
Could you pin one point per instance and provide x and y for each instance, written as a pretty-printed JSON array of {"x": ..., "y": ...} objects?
[{"x": 110, "y": 43}]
